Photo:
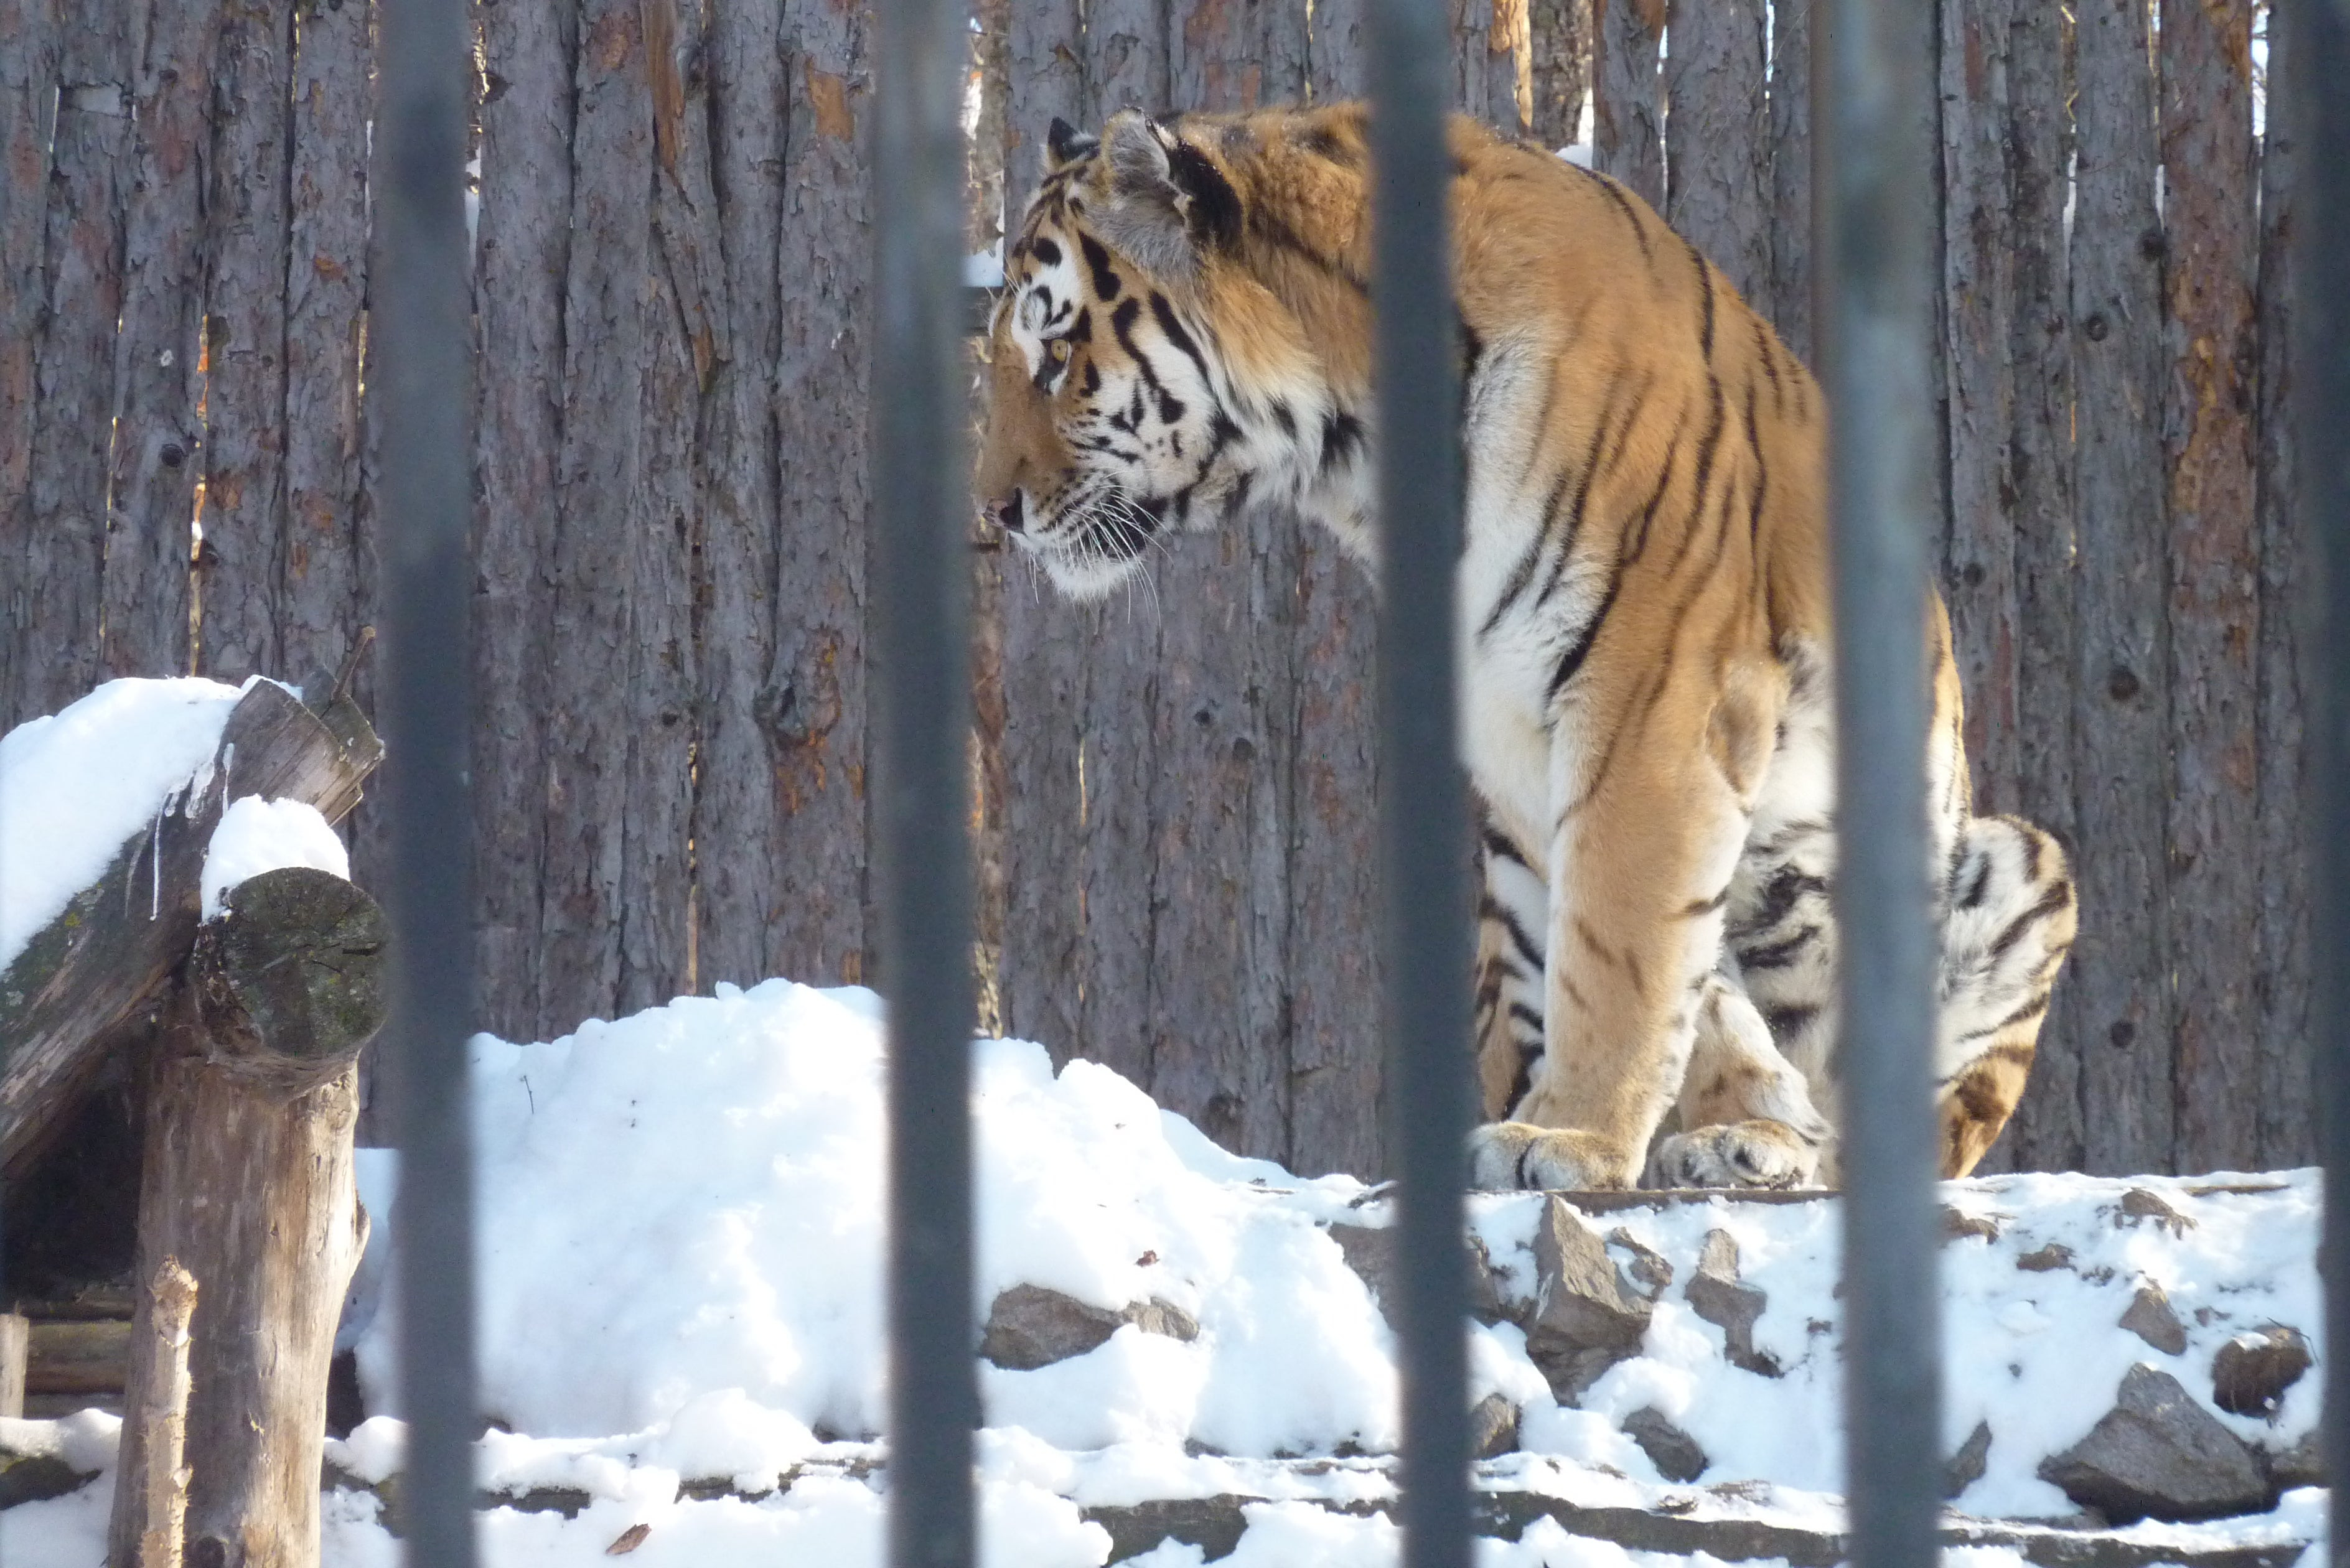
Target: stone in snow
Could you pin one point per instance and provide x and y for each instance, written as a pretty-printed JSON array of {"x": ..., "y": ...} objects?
[
  {"x": 1716, "y": 1294},
  {"x": 2150, "y": 1318},
  {"x": 1673, "y": 1451},
  {"x": 2252, "y": 1371},
  {"x": 1493, "y": 1427},
  {"x": 1030, "y": 1326},
  {"x": 1587, "y": 1317},
  {"x": 1967, "y": 1466},
  {"x": 2158, "y": 1454}
]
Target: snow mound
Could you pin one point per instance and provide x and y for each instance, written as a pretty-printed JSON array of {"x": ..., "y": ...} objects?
[{"x": 255, "y": 835}]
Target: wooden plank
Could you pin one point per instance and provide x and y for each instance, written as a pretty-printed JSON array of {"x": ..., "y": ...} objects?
[
  {"x": 1627, "y": 95},
  {"x": 29, "y": 90},
  {"x": 2287, "y": 1130},
  {"x": 590, "y": 713},
  {"x": 1559, "y": 70},
  {"x": 2214, "y": 553},
  {"x": 1791, "y": 174},
  {"x": 741, "y": 883},
  {"x": 158, "y": 436},
  {"x": 53, "y": 577},
  {"x": 2104, "y": 1104},
  {"x": 522, "y": 260},
  {"x": 244, "y": 251},
  {"x": 817, "y": 717},
  {"x": 2037, "y": 498},
  {"x": 1718, "y": 191}
]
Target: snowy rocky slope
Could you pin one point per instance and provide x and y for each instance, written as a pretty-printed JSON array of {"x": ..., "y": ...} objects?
[{"x": 1187, "y": 1361}]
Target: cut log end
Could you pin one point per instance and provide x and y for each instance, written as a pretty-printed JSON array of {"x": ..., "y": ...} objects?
[{"x": 290, "y": 980}]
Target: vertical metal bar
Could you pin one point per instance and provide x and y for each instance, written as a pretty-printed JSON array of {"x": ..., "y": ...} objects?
[
  {"x": 1424, "y": 804},
  {"x": 1875, "y": 179},
  {"x": 2314, "y": 112},
  {"x": 921, "y": 506},
  {"x": 423, "y": 389}
]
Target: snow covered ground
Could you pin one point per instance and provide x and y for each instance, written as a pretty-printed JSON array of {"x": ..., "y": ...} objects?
[{"x": 682, "y": 1327}]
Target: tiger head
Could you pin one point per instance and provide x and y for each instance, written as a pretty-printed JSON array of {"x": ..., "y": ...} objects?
[{"x": 1144, "y": 376}]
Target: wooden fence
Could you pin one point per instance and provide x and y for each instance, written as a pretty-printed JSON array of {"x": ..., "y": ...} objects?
[{"x": 1176, "y": 786}]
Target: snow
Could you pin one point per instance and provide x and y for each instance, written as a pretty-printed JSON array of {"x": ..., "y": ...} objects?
[
  {"x": 680, "y": 1279},
  {"x": 75, "y": 784},
  {"x": 255, "y": 835}
]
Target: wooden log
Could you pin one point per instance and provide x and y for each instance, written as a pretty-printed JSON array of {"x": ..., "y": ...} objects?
[
  {"x": 81, "y": 1359},
  {"x": 101, "y": 968},
  {"x": 15, "y": 1335},
  {"x": 248, "y": 1182},
  {"x": 159, "y": 1491}
]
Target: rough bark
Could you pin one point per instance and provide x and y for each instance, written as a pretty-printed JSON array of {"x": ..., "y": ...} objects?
[
  {"x": 1236, "y": 53},
  {"x": 741, "y": 883},
  {"x": 1490, "y": 63},
  {"x": 247, "y": 1182},
  {"x": 103, "y": 965},
  {"x": 2287, "y": 1135},
  {"x": 2116, "y": 1079},
  {"x": 815, "y": 704},
  {"x": 1718, "y": 193},
  {"x": 28, "y": 87},
  {"x": 1124, "y": 51},
  {"x": 1336, "y": 61},
  {"x": 1628, "y": 96},
  {"x": 245, "y": 253},
  {"x": 158, "y": 439},
  {"x": 1791, "y": 174},
  {"x": 2215, "y": 556},
  {"x": 522, "y": 259},
  {"x": 52, "y": 559},
  {"x": 1558, "y": 71}
]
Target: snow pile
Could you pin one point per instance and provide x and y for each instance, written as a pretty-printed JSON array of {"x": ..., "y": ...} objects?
[
  {"x": 255, "y": 835},
  {"x": 75, "y": 784}
]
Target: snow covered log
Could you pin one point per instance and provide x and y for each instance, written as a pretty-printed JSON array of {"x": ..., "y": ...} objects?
[
  {"x": 99, "y": 970},
  {"x": 247, "y": 1182}
]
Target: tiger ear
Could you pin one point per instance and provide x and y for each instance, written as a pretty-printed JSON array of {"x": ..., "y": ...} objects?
[
  {"x": 1168, "y": 202},
  {"x": 1066, "y": 143}
]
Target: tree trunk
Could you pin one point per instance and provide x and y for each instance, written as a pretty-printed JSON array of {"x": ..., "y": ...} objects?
[
  {"x": 1791, "y": 174},
  {"x": 156, "y": 1495},
  {"x": 1558, "y": 47},
  {"x": 1718, "y": 193},
  {"x": 102, "y": 965},
  {"x": 248, "y": 1184}
]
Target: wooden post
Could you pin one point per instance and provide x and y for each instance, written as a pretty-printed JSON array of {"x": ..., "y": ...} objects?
[
  {"x": 160, "y": 1492},
  {"x": 101, "y": 968},
  {"x": 15, "y": 1337},
  {"x": 253, "y": 1094}
]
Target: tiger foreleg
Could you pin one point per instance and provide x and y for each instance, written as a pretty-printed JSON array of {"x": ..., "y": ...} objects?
[
  {"x": 2008, "y": 921},
  {"x": 1749, "y": 1114}
]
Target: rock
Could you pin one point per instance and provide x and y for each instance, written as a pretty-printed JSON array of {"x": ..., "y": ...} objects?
[
  {"x": 1716, "y": 1294},
  {"x": 1493, "y": 1427},
  {"x": 2303, "y": 1464},
  {"x": 2158, "y": 1454},
  {"x": 2252, "y": 1371},
  {"x": 1370, "y": 1252},
  {"x": 1648, "y": 1268},
  {"x": 2150, "y": 1318},
  {"x": 2142, "y": 1203},
  {"x": 1030, "y": 1326},
  {"x": 1673, "y": 1451},
  {"x": 2043, "y": 1259},
  {"x": 1958, "y": 1223},
  {"x": 1587, "y": 1317},
  {"x": 1967, "y": 1466}
]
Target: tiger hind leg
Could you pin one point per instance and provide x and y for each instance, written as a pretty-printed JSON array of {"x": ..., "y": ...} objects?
[
  {"x": 2008, "y": 921},
  {"x": 1748, "y": 1111}
]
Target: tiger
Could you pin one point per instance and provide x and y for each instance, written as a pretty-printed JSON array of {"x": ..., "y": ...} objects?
[{"x": 1641, "y": 615}]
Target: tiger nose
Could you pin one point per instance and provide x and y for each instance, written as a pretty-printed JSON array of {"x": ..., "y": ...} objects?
[{"x": 1007, "y": 513}]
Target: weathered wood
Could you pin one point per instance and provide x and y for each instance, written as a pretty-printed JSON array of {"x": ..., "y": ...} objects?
[
  {"x": 55, "y": 549},
  {"x": 159, "y": 435},
  {"x": 2113, "y": 1084},
  {"x": 1124, "y": 51},
  {"x": 521, "y": 261},
  {"x": 244, "y": 251},
  {"x": 2287, "y": 1135},
  {"x": 16, "y": 1335},
  {"x": 28, "y": 92},
  {"x": 741, "y": 882},
  {"x": 78, "y": 1359},
  {"x": 2214, "y": 551},
  {"x": 1718, "y": 191},
  {"x": 102, "y": 965},
  {"x": 1489, "y": 61},
  {"x": 248, "y": 1183},
  {"x": 1627, "y": 95},
  {"x": 814, "y": 708},
  {"x": 1558, "y": 72},
  {"x": 158, "y": 1491},
  {"x": 1337, "y": 62},
  {"x": 1222, "y": 56},
  {"x": 1791, "y": 174}
]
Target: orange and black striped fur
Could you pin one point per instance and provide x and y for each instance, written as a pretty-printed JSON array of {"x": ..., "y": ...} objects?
[{"x": 1643, "y": 612}]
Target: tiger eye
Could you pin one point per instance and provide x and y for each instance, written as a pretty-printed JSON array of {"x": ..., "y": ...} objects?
[{"x": 1059, "y": 349}]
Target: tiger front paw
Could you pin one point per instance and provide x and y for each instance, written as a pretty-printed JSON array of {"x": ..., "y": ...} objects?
[
  {"x": 1511, "y": 1157},
  {"x": 1741, "y": 1154}
]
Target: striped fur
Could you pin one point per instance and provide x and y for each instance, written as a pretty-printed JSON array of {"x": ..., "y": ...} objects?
[{"x": 1642, "y": 610}]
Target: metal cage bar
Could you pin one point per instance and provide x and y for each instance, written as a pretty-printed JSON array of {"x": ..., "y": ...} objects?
[
  {"x": 2315, "y": 112},
  {"x": 921, "y": 495},
  {"x": 1875, "y": 270},
  {"x": 1423, "y": 796},
  {"x": 423, "y": 377}
]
